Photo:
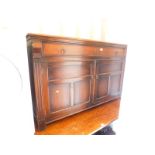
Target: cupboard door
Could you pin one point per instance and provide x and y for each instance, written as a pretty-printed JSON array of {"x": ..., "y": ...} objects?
[
  {"x": 101, "y": 86},
  {"x": 59, "y": 96},
  {"x": 69, "y": 86},
  {"x": 115, "y": 84},
  {"x": 108, "y": 79},
  {"x": 82, "y": 91}
]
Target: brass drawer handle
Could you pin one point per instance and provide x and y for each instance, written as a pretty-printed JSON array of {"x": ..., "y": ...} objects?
[
  {"x": 62, "y": 51},
  {"x": 101, "y": 49},
  {"x": 99, "y": 52}
]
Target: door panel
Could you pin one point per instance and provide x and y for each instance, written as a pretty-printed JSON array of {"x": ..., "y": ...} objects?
[
  {"x": 59, "y": 96},
  {"x": 115, "y": 84},
  {"x": 108, "y": 81},
  {"x": 82, "y": 91},
  {"x": 102, "y": 86}
]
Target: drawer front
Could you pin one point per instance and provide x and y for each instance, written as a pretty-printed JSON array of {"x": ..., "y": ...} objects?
[
  {"x": 109, "y": 52},
  {"x": 62, "y": 49},
  {"x": 80, "y": 50}
]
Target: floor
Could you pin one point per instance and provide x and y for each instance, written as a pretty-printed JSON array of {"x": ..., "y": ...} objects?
[{"x": 108, "y": 130}]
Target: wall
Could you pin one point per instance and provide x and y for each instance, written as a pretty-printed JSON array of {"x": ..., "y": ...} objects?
[{"x": 115, "y": 21}]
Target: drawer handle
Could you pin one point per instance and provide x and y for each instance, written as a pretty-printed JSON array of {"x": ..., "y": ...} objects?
[
  {"x": 62, "y": 51},
  {"x": 101, "y": 49}
]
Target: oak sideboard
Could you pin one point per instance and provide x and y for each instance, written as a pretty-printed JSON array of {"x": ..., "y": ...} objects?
[{"x": 69, "y": 75}]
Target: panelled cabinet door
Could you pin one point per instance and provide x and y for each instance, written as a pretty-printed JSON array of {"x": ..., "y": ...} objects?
[
  {"x": 101, "y": 86},
  {"x": 59, "y": 95},
  {"x": 108, "y": 78},
  {"x": 115, "y": 84},
  {"x": 69, "y": 87},
  {"x": 82, "y": 91}
]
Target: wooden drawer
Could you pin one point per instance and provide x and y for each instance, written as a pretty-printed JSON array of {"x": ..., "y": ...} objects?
[
  {"x": 80, "y": 50},
  {"x": 62, "y": 49},
  {"x": 110, "y": 52}
]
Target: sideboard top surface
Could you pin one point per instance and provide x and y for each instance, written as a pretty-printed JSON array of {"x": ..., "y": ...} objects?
[{"x": 49, "y": 38}]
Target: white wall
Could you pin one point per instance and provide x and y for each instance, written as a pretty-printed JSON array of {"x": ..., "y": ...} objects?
[{"x": 115, "y": 21}]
